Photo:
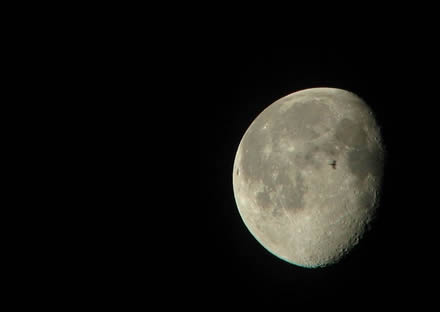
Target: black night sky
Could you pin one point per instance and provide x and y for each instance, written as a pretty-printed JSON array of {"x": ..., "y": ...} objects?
[{"x": 393, "y": 260}]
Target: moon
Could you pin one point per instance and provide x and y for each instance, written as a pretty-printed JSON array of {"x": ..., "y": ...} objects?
[{"x": 308, "y": 173}]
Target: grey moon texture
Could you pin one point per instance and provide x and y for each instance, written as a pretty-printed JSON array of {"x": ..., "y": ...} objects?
[{"x": 307, "y": 175}]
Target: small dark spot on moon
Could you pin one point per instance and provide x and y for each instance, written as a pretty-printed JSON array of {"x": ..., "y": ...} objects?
[{"x": 238, "y": 171}]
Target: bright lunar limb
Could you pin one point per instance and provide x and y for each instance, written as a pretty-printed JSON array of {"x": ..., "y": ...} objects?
[{"x": 307, "y": 174}]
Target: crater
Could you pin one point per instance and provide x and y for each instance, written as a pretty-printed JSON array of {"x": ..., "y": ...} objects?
[
  {"x": 361, "y": 162},
  {"x": 292, "y": 196},
  {"x": 350, "y": 133},
  {"x": 252, "y": 149},
  {"x": 304, "y": 120},
  {"x": 308, "y": 158},
  {"x": 263, "y": 200},
  {"x": 366, "y": 200},
  {"x": 277, "y": 212},
  {"x": 331, "y": 148}
]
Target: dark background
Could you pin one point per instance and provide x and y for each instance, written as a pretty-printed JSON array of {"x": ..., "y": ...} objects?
[{"x": 393, "y": 263}]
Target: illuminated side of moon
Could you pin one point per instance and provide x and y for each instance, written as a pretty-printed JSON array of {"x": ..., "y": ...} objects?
[{"x": 307, "y": 174}]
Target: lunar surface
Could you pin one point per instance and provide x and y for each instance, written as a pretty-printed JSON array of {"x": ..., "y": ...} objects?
[{"x": 307, "y": 175}]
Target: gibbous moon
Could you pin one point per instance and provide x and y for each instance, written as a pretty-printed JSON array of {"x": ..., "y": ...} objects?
[{"x": 307, "y": 175}]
